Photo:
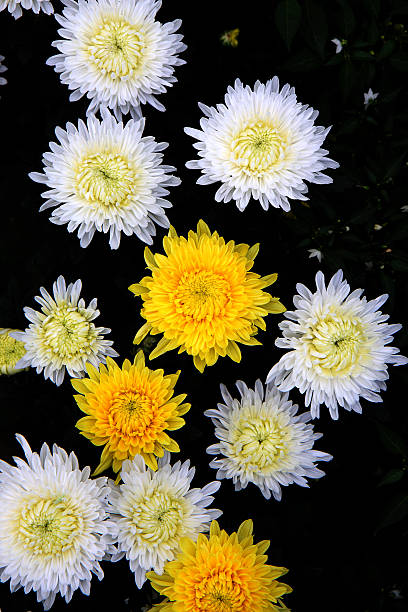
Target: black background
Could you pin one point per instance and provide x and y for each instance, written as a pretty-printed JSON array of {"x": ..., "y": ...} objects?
[{"x": 344, "y": 540}]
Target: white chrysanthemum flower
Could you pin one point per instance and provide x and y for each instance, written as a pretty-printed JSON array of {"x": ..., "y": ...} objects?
[
  {"x": 261, "y": 143},
  {"x": 62, "y": 336},
  {"x": 103, "y": 176},
  {"x": 3, "y": 68},
  {"x": 54, "y": 525},
  {"x": 152, "y": 511},
  {"x": 11, "y": 351},
  {"x": 263, "y": 440},
  {"x": 338, "y": 347},
  {"x": 116, "y": 54},
  {"x": 15, "y": 6}
]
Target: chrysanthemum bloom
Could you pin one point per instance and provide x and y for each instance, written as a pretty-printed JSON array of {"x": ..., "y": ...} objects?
[
  {"x": 203, "y": 298},
  {"x": 11, "y": 351},
  {"x": 152, "y": 511},
  {"x": 220, "y": 573},
  {"x": 128, "y": 410},
  {"x": 116, "y": 54},
  {"x": 261, "y": 144},
  {"x": 263, "y": 440},
  {"x": 15, "y": 6},
  {"x": 338, "y": 347},
  {"x": 104, "y": 176},
  {"x": 54, "y": 526},
  {"x": 3, "y": 68},
  {"x": 62, "y": 336}
]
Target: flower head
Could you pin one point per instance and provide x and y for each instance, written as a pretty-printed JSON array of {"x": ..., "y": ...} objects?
[
  {"x": 62, "y": 336},
  {"x": 338, "y": 43},
  {"x": 104, "y": 176},
  {"x": 15, "y": 7},
  {"x": 11, "y": 351},
  {"x": 202, "y": 297},
  {"x": 261, "y": 143},
  {"x": 263, "y": 440},
  {"x": 116, "y": 54},
  {"x": 220, "y": 573},
  {"x": 230, "y": 38},
  {"x": 338, "y": 347},
  {"x": 369, "y": 97},
  {"x": 152, "y": 511},
  {"x": 54, "y": 526},
  {"x": 315, "y": 253},
  {"x": 3, "y": 68},
  {"x": 128, "y": 410}
]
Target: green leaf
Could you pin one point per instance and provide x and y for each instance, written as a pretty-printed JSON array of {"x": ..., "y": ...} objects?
[
  {"x": 288, "y": 15},
  {"x": 395, "y": 165},
  {"x": 392, "y": 441},
  {"x": 362, "y": 55},
  {"x": 400, "y": 62},
  {"x": 399, "y": 265},
  {"x": 317, "y": 22},
  {"x": 386, "y": 50},
  {"x": 347, "y": 78},
  {"x": 303, "y": 61},
  {"x": 395, "y": 511},
  {"x": 346, "y": 19},
  {"x": 390, "y": 477}
]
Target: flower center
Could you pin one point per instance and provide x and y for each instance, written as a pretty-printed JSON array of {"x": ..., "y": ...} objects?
[
  {"x": 116, "y": 48},
  {"x": 67, "y": 332},
  {"x": 11, "y": 350},
  {"x": 257, "y": 148},
  {"x": 202, "y": 295},
  {"x": 261, "y": 442},
  {"x": 220, "y": 592},
  {"x": 135, "y": 414},
  {"x": 336, "y": 345},
  {"x": 105, "y": 180},
  {"x": 49, "y": 526},
  {"x": 159, "y": 517}
]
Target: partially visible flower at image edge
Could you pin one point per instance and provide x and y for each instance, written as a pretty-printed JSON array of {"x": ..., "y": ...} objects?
[
  {"x": 203, "y": 298},
  {"x": 221, "y": 572},
  {"x": 11, "y": 351},
  {"x": 15, "y": 6},
  {"x": 62, "y": 337},
  {"x": 153, "y": 511},
  {"x": 338, "y": 347},
  {"x": 128, "y": 411},
  {"x": 104, "y": 176},
  {"x": 116, "y": 53},
  {"x": 3, "y": 68},
  {"x": 260, "y": 144},
  {"x": 263, "y": 440},
  {"x": 54, "y": 525}
]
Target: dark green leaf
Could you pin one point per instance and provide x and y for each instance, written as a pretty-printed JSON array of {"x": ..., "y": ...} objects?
[
  {"x": 362, "y": 55},
  {"x": 347, "y": 78},
  {"x": 303, "y": 61},
  {"x": 386, "y": 50},
  {"x": 346, "y": 19},
  {"x": 390, "y": 477},
  {"x": 400, "y": 62},
  {"x": 392, "y": 441},
  {"x": 395, "y": 511},
  {"x": 399, "y": 7},
  {"x": 399, "y": 265},
  {"x": 288, "y": 15},
  {"x": 317, "y": 22},
  {"x": 395, "y": 165}
]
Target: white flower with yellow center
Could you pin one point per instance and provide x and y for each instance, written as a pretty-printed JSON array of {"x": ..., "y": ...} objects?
[
  {"x": 15, "y": 6},
  {"x": 103, "y": 176},
  {"x": 261, "y": 143},
  {"x": 152, "y": 511},
  {"x": 11, "y": 351},
  {"x": 116, "y": 54},
  {"x": 338, "y": 347},
  {"x": 263, "y": 440},
  {"x": 54, "y": 525},
  {"x": 62, "y": 336}
]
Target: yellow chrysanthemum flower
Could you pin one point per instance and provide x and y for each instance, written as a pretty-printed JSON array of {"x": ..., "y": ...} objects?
[
  {"x": 128, "y": 410},
  {"x": 203, "y": 298},
  {"x": 11, "y": 351},
  {"x": 221, "y": 573}
]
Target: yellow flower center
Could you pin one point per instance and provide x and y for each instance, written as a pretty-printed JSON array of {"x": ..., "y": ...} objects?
[
  {"x": 115, "y": 48},
  {"x": 67, "y": 333},
  {"x": 105, "y": 180},
  {"x": 261, "y": 441},
  {"x": 257, "y": 147},
  {"x": 49, "y": 526},
  {"x": 219, "y": 593},
  {"x": 11, "y": 350},
  {"x": 337, "y": 344},
  {"x": 201, "y": 295},
  {"x": 159, "y": 518},
  {"x": 132, "y": 412}
]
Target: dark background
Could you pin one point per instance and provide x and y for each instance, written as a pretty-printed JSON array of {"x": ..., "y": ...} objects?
[{"x": 344, "y": 540}]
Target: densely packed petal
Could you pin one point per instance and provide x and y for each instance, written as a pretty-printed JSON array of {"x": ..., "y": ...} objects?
[{"x": 11, "y": 351}]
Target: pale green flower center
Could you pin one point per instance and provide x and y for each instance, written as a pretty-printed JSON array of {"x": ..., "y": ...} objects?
[
  {"x": 337, "y": 344},
  {"x": 105, "y": 180},
  {"x": 159, "y": 517},
  {"x": 67, "y": 332},
  {"x": 202, "y": 294},
  {"x": 49, "y": 526},
  {"x": 257, "y": 147},
  {"x": 11, "y": 350},
  {"x": 261, "y": 441},
  {"x": 115, "y": 48}
]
